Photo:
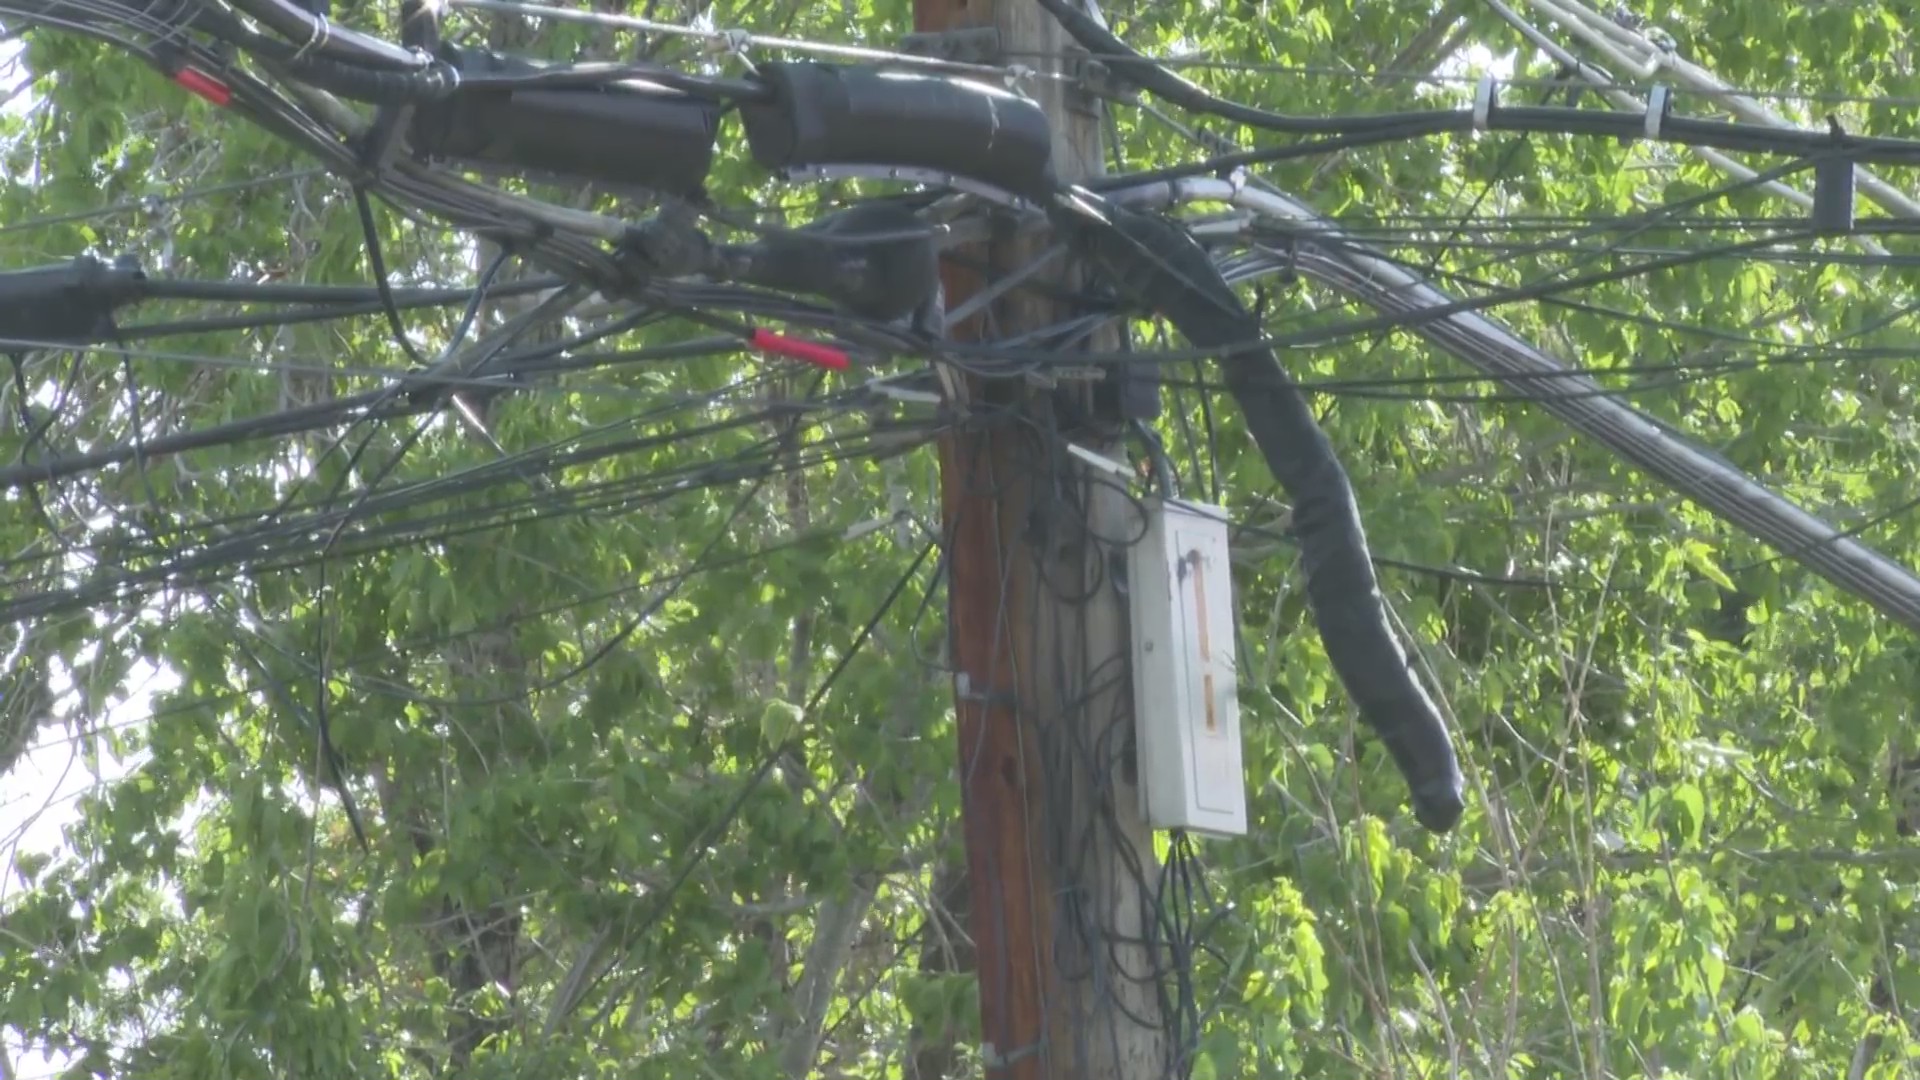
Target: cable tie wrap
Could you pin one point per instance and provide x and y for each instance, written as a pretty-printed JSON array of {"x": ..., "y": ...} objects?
[
  {"x": 1484, "y": 97},
  {"x": 1659, "y": 103}
]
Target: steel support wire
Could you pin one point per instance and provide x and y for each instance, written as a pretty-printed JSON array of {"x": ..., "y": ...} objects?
[
  {"x": 1604, "y": 83},
  {"x": 1645, "y": 59},
  {"x": 1497, "y": 350}
]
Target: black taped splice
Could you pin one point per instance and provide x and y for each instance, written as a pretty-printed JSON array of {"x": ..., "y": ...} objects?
[
  {"x": 886, "y": 277},
  {"x": 826, "y": 115},
  {"x": 72, "y": 304},
  {"x": 1160, "y": 266},
  {"x": 631, "y": 134}
]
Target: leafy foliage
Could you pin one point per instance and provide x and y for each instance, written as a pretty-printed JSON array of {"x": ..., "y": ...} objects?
[{"x": 1684, "y": 856}]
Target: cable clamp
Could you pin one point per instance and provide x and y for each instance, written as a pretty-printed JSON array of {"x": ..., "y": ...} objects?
[
  {"x": 322, "y": 32},
  {"x": 963, "y": 689},
  {"x": 734, "y": 42},
  {"x": 1483, "y": 102},
  {"x": 1659, "y": 103}
]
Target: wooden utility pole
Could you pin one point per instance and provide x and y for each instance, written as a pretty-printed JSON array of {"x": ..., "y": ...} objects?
[{"x": 1060, "y": 866}]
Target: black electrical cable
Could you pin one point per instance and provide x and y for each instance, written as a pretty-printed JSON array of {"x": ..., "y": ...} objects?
[
  {"x": 393, "y": 462},
  {"x": 336, "y": 295},
  {"x": 1370, "y": 128},
  {"x": 320, "y": 36},
  {"x": 1159, "y": 265},
  {"x": 381, "y": 404},
  {"x": 245, "y": 550},
  {"x": 1142, "y": 71},
  {"x": 330, "y": 765},
  {"x": 703, "y": 842},
  {"x": 357, "y": 665},
  {"x": 1392, "y": 320},
  {"x": 402, "y": 300},
  {"x": 594, "y": 75},
  {"x": 238, "y": 533},
  {"x": 1131, "y": 66}
]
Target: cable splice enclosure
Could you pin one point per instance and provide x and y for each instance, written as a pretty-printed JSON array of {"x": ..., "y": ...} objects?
[
  {"x": 72, "y": 303},
  {"x": 824, "y": 115},
  {"x": 1159, "y": 265},
  {"x": 875, "y": 260},
  {"x": 632, "y": 134}
]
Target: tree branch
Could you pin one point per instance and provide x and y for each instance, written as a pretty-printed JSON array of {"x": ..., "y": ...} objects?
[{"x": 834, "y": 932}]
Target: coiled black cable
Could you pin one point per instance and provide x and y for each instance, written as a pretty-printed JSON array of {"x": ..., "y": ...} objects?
[{"x": 1157, "y": 264}]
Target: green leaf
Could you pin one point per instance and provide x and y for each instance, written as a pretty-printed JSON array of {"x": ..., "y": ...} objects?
[
  {"x": 1692, "y": 806},
  {"x": 780, "y": 722}
]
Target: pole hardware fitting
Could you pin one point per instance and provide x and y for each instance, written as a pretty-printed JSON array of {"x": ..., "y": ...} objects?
[
  {"x": 997, "y": 1060},
  {"x": 991, "y": 699},
  {"x": 1091, "y": 83},
  {"x": 974, "y": 45}
]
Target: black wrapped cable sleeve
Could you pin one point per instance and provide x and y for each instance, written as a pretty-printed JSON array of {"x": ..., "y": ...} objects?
[
  {"x": 71, "y": 303},
  {"x": 310, "y": 30},
  {"x": 844, "y": 115},
  {"x": 1159, "y": 265}
]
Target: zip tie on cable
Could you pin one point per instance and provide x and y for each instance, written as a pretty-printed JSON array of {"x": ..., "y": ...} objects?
[
  {"x": 1659, "y": 102},
  {"x": 1483, "y": 102},
  {"x": 807, "y": 352},
  {"x": 322, "y": 32}
]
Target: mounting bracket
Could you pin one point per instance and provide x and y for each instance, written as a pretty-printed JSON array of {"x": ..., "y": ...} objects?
[{"x": 1091, "y": 83}]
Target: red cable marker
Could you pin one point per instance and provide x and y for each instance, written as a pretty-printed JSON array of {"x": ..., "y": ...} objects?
[
  {"x": 810, "y": 352},
  {"x": 204, "y": 85}
]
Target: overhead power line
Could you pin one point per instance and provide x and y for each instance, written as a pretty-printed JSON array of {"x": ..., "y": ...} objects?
[{"x": 1492, "y": 347}]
